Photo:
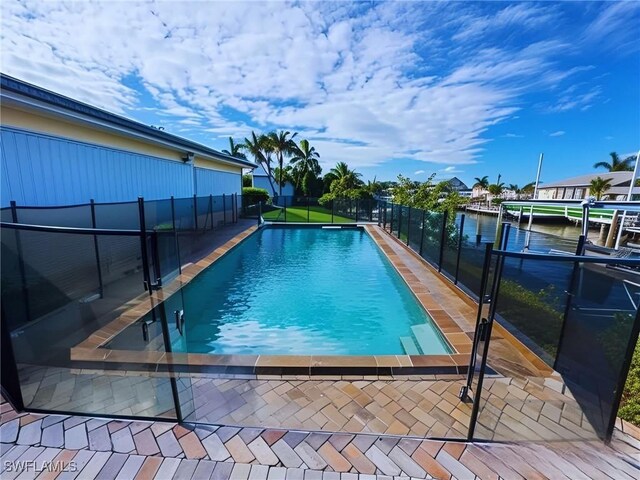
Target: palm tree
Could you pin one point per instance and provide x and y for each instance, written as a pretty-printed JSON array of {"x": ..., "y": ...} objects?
[
  {"x": 342, "y": 172},
  {"x": 482, "y": 183},
  {"x": 616, "y": 164},
  {"x": 305, "y": 164},
  {"x": 235, "y": 149},
  {"x": 515, "y": 189},
  {"x": 260, "y": 148},
  {"x": 599, "y": 187},
  {"x": 281, "y": 145},
  {"x": 496, "y": 189}
]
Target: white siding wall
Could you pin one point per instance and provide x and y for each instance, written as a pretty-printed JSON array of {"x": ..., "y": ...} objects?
[{"x": 39, "y": 169}]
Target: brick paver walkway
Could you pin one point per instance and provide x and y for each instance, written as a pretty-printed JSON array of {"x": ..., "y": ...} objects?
[{"x": 106, "y": 449}]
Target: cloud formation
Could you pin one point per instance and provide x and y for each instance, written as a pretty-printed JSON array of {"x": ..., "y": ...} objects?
[{"x": 365, "y": 83}]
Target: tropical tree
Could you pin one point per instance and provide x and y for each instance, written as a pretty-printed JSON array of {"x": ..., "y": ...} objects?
[
  {"x": 373, "y": 187},
  {"x": 260, "y": 149},
  {"x": 496, "y": 189},
  {"x": 282, "y": 145},
  {"x": 482, "y": 183},
  {"x": 616, "y": 165},
  {"x": 349, "y": 178},
  {"x": 599, "y": 187},
  {"x": 235, "y": 149},
  {"x": 529, "y": 188},
  {"x": 305, "y": 166}
]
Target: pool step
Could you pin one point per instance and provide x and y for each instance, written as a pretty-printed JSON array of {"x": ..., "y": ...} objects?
[
  {"x": 409, "y": 346},
  {"x": 426, "y": 339}
]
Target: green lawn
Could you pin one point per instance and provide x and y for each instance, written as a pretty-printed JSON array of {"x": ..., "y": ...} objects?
[{"x": 299, "y": 214}]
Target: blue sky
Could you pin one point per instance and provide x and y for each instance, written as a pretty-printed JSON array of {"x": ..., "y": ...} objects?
[{"x": 457, "y": 88}]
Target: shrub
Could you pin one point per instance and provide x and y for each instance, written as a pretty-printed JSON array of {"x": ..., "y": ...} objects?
[
  {"x": 252, "y": 196},
  {"x": 630, "y": 405}
]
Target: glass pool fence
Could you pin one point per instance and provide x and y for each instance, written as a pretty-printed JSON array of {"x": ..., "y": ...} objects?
[{"x": 69, "y": 273}]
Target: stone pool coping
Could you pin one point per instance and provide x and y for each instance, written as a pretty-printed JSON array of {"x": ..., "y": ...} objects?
[{"x": 91, "y": 352}]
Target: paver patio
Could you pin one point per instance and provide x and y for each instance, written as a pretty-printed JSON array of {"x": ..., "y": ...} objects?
[{"x": 33, "y": 445}]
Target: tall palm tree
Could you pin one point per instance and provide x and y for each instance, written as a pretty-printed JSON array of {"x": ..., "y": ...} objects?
[
  {"x": 235, "y": 149},
  {"x": 260, "y": 149},
  {"x": 599, "y": 187},
  {"x": 616, "y": 165},
  {"x": 282, "y": 145},
  {"x": 305, "y": 164},
  {"x": 342, "y": 172},
  {"x": 482, "y": 183},
  {"x": 496, "y": 189}
]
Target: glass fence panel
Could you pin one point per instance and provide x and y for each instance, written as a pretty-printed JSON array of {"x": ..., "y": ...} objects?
[
  {"x": 414, "y": 222},
  {"x": 394, "y": 217},
  {"x": 563, "y": 386},
  {"x": 185, "y": 214},
  {"x": 595, "y": 339},
  {"x": 450, "y": 248},
  {"x": 432, "y": 233},
  {"x": 158, "y": 215},
  {"x": 118, "y": 216},
  {"x": 5, "y": 215},
  {"x": 344, "y": 210},
  {"x": 204, "y": 212},
  {"x": 472, "y": 254},
  {"x": 76, "y": 216},
  {"x": 60, "y": 312}
]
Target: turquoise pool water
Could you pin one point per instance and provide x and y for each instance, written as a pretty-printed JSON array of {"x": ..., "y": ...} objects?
[{"x": 304, "y": 291}]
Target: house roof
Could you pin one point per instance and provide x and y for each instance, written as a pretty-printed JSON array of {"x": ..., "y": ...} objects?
[
  {"x": 616, "y": 178},
  {"x": 11, "y": 86}
]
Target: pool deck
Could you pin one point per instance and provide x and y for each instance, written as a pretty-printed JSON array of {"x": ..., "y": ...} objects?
[{"x": 88, "y": 448}]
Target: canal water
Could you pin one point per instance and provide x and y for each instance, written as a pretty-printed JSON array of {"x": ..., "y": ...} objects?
[{"x": 543, "y": 237}]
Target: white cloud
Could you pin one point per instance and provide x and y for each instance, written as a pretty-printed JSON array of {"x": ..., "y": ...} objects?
[
  {"x": 418, "y": 172},
  {"x": 367, "y": 84},
  {"x": 557, "y": 133},
  {"x": 512, "y": 135}
]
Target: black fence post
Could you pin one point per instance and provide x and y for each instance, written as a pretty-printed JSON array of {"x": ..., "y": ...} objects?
[
  {"x": 391, "y": 222},
  {"x": 384, "y": 215},
  {"x": 175, "y": 233},
  {"x": 166, "y": 336},
  {"x": 484, "y": 279},
  {"x": 307, "y": 209},
  {"x": 23, "y": 276},
  {"x": 156, "y": 259},
  {"x": 210, "y": 210},
  {"x": 143, "y": 246},
  {"x": 195, "y": 212},
  {"x": 460, "y": 236},
  {"x": 235, "y": 207},
  {"x": 285, "y": 209},
  {"x": 443, "y": 238},
  {"x": 424, "y": 216},
  {"x": 8, "y": 366},
  {"x": 351, "y": 205},
  {"x": 96, "y": 248},
  {"x": 408, "y": 225},
  {"x": 224, "y": 209},
  {"x": 371, "y": 212},
  {"x": 486, "y": 332},
  {"x": 399, "y": 220}
]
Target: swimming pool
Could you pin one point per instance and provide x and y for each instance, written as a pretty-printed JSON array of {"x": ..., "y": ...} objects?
[{"x": 305, "y": 291}]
